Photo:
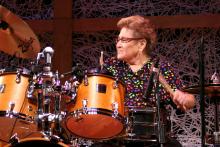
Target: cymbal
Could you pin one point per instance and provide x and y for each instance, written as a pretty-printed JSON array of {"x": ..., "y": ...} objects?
[
  {"x": 212, "y": 89},
  {"x": 16, "y": 36}
]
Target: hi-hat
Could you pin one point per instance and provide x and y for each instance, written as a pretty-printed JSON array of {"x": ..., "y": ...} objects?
[
  {"x": 212, "y": 89},
  {"x": 16, "y": 37}
]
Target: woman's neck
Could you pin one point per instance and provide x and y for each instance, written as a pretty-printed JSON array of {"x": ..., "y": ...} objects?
[{"x": 139, "y": 63}]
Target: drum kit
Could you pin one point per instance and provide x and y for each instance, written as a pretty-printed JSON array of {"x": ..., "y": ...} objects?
[{"x": 36, "y": 108}]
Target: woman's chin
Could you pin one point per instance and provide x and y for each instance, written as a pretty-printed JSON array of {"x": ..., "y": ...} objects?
[{"x": 120, "y": 57}]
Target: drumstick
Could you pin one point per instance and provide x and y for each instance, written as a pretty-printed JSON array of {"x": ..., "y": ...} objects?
[
  {"x": 166, "y": 85},
  {"x": 101, "y": 62}
]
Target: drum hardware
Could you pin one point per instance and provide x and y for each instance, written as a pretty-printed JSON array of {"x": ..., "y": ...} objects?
[
  {"x": 58, "y": 114},
  {"x": 216, "y": 138},
  {"x": 2, "y": 88},
  {"x": 30, "y": 89},
  {"x": 55, "y": 139},
  {"x": 14, "y": 139},
  {"x": 70, "y": 89},
  {"x": 18, "y": 76},
  {"x": 10, "y": 113},
  {"x": 115, "y": 109},
  {"x": 115, "y": 84},
  {"x": 84, "y": 106},
  {"x": 86, "y": 82},
  {"x": 48, "y": 87},
  {"x": 80, "y": 142}
]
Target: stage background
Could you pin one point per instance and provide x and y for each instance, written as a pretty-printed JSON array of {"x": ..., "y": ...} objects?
[{"x": 177, "y": 45}]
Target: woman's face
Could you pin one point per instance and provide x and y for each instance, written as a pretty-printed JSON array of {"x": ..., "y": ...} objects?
[{"x": 127, "y": 45}]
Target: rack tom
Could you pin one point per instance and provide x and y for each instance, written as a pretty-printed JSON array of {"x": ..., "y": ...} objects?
[
  {"x": 98, "y": 112},
  {"x": 15, "y": 108}
]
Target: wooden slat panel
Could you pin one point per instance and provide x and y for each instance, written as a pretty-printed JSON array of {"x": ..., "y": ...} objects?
[
  {"x": 62, "y": 35},
  {"x": 103, "y": 24}
]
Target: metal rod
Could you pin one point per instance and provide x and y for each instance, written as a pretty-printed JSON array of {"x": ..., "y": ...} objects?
[{"x": 202, "y": 100}]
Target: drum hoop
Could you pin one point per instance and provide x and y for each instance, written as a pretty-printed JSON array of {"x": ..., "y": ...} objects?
[
  {"x": 39, "y": 139},
  {"x": 16, "y": 115},
  {"x": 107, "y": 76},
  {"x": 140, "y": 139},
  {"x": 146, "y": 110},
  {"x": 8, "y": 73},
  {"x": 91, "y": 111}
]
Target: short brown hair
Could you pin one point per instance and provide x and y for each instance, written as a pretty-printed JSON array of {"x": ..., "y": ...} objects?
[{"x": 143, "y": 27}]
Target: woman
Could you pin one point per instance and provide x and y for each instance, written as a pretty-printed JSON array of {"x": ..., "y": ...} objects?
[{"x": 133, "y": 65}]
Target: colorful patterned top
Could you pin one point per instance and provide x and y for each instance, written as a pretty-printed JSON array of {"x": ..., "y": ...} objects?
[{"x": 136, "y": 82}]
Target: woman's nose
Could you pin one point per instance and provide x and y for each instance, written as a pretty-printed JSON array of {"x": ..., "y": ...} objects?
[{"x": 118, "y": 45}]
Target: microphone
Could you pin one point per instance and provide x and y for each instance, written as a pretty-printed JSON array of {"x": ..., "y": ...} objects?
[
  {"x": 154, "y": 72},
  {"x": 48, "y": 53}
]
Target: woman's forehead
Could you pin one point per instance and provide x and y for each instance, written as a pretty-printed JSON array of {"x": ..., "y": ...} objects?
[{"x": 126, "y": 32}]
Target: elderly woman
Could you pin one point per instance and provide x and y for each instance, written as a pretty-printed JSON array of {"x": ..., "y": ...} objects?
[{"x": 133, "y": 65}]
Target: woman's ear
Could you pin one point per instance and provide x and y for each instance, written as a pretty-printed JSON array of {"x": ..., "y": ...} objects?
[{"x": 142, "y": 44}]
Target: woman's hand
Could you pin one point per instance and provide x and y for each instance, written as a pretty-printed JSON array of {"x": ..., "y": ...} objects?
[{"x": 183, "y": 100}]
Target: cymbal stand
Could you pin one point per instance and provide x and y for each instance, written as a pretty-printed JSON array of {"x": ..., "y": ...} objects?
[
  {"x": 216, "y": 134},
  {"x": 202, "y": 91}
]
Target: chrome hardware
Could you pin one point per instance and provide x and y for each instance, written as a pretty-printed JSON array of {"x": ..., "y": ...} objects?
[
  {"x": 84, "y": 103},
  {"x": 11, "y": 106},
  {"x": 54, "y": 139},
  {"x": 2, "y": 71},
  {"x": 2, "y": 88},
  {"x": 55, "y": 80},
  {"x": 115, "y": 109},
  {"x": 30, "y": 90},
  {"x": 30, "y": 108},
  {"x": 18, "y": 76},
  {"x": 14, "y": 139},
  {"x": 86, "y": 82},
  {"x": 10, "y": 112},
  {"x": 215, "y": 78},
  {"x": 217, "y": 137},
  {"x": 115, "y": 84}
]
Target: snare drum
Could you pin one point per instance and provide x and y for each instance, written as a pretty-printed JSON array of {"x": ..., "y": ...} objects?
[
  {"x": 142, "y": 125},
  {"x": 98, "y": 112},
  {"x": 14, "y": 104},
  {"x": 41, "y": 142}
]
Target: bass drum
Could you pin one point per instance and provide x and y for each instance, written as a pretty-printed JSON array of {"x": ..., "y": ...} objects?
[
  {"x": 40, "y": 142},
  {"x": 98, "y": 112},
  {"x": 16, "y": 110}
]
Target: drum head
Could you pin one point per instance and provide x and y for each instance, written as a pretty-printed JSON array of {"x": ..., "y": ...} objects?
[{"x": 95, "y": 126}]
